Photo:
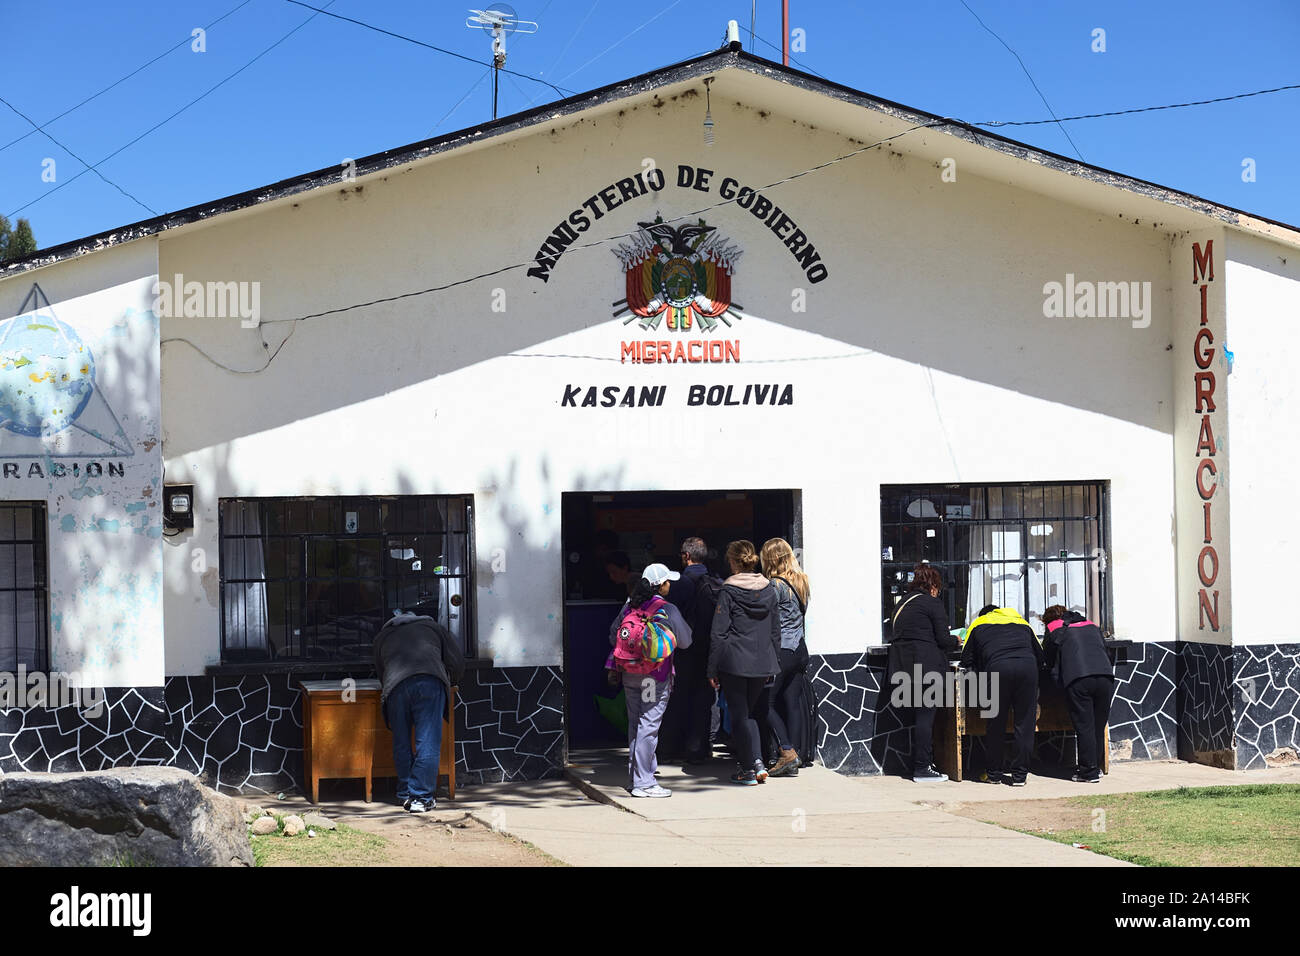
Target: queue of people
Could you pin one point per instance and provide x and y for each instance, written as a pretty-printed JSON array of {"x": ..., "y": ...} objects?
[
  {"x": 1001, "y": 646},
  {"x": 683, "y": 638}
]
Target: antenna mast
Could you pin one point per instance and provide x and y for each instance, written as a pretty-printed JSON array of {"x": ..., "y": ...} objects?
[{"x": 500, "y": 21}]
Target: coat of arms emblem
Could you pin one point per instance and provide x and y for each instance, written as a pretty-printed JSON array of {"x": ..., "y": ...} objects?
[{"x": 678, "y": 273}]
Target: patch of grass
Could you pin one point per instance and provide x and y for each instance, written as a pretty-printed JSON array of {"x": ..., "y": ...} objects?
[
  {"x": 1255, "y": 825},
  {"x": 343, "y": 846}
]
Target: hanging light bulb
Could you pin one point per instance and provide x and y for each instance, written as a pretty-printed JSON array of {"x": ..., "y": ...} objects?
[{"x": 708, "y": 114}]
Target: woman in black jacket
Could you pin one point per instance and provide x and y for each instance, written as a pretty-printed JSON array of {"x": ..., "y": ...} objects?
[
  {"x": 742, "y": 657},
  {"x": 1076, "y": 645},
  {"x": 919, "y": 648}
]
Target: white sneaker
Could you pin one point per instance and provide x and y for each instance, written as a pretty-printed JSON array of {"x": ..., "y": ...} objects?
[{"x": 655, "y": 791}]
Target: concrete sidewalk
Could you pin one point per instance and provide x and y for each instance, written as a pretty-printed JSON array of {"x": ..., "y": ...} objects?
[{"x": 818, "y": 818}]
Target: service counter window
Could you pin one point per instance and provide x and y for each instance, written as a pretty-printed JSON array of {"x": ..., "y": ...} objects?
[
  {"x": 1026, "y": 546},
  {"x": 314, "y": 579},
  {"x": 24, "y": 599}
]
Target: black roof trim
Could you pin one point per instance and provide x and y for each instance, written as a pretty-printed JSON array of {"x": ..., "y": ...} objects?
[{"x": 664, "y": 76}]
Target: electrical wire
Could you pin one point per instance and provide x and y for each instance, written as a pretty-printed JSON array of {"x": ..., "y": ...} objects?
[
  {"x": 463, "y": 98},
  {"x": 67, "y": 149},
  {"x": 1027, "y": 73},
  {"x": 201, "y": 96},
  {"x": 427, "y": 46},
  {"x": 802, "y": 66},
  {"x": 189, "y": 37},
  {"x": 1140, "y": 109},
  {"x": 237, "y": 371},
  {"x": 521, "y": 265},
  {"x": 622, "y": 40}
]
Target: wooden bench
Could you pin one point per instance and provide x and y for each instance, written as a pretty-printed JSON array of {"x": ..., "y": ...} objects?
[
  {"x": 343, "y": 736},
  {"x": 953, "y": 726}
]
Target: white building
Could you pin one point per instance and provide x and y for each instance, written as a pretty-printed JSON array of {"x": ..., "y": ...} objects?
[{"x": 908, "y": 339}]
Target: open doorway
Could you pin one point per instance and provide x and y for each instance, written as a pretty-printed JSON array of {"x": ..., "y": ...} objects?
[{"x": 607, "y": 537}]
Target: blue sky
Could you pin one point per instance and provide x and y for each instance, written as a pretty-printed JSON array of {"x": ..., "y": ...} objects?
[{"x": 334, "y": 90}]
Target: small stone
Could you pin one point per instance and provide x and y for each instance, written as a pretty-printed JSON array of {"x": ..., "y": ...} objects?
[
  {"x": 311, "y": 833},
  {"x": 318, "y": 820},
  {"x": 293, "y": 825},
  {"x": 252, "y": 813},
  {"x": 264, "y": 825}
]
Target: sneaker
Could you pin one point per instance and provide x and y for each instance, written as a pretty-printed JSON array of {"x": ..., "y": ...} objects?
[
  {"x": 931, "y": 774},
  {"x": 655, "y": 791},
  {"x": 421, "y": 806},
  {"x": 745, "y": 778},
  {"x": 760, "y": 772},
  {"x": 1080, "y": 778},
  {"x": 1017, "y": 781},
  {"x": 788, "y": 761},
  {"x": 992, "y": 776},
  {"x": 695, "y": 759}
]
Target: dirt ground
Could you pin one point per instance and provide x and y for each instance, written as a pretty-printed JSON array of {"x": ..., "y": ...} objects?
[
  {"x": 1033, "y": 816},
  {"x": 443, "y": 837}
]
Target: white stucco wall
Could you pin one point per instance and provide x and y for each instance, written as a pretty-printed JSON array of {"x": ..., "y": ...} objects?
[
  {"x": 923, "y": 357},
  {"x": 99, "y": 470},
  {"x": 1263, "y": 333}
]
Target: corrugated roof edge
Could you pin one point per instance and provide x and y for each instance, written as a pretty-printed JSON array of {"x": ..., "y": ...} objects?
[{"x": 664, "y": 76}]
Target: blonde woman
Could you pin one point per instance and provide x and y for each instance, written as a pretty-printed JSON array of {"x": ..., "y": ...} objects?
[{"x": 785, "y": 715}]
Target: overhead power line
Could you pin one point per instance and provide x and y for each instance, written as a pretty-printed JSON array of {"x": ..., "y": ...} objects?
[
  {"x": 189, "y": 37},
  {"x": 1140, "y": 109},
  {"x": 428, "y": 46},
  {"x": 201, "y": 96},
  {"x": 1028, "y": 74},
  {"x": 89, "y": 168}
]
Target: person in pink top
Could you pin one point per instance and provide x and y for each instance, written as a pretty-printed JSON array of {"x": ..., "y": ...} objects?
[{"x": 647, "y": 693}]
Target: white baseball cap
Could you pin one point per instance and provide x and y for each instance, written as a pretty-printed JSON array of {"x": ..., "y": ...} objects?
[{"x": 657, "y": 574}]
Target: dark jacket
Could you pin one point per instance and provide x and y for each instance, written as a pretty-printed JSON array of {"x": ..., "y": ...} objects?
[
  {"x": 409, "y": 645},
  {"x": 746, "y": 628},
  {"x": 682, "y": 591},
  {"x": 1001, "y": 637},
  {"x": 1077, "y": 645},
  {"x": 920, "y": 635}
]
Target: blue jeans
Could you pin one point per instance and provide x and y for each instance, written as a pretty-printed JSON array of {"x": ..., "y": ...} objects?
[{"x": 420, "y": 701}]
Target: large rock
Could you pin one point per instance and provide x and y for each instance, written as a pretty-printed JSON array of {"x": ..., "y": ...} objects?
[{"x": 135, "y": 816}]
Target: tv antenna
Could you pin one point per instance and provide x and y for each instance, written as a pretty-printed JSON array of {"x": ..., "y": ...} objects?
[{"x": 499, "y": 20}]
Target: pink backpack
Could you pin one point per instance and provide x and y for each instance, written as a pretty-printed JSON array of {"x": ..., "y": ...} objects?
[{"x": 644, "y": 639}]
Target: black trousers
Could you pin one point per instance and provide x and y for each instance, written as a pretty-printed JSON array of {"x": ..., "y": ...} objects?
[
  {"x": 688, "y": 719},
  {"x": 746, "y": 705},
  {"x": 922, "y": 736},
  {"x": 903, "y": 660},
  {"x": 1017, "y": 694},
  {"x": 1088, "y": 699},
  {"x": 784, "y": 715}
]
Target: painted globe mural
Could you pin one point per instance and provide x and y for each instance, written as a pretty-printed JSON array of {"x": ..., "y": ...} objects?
[{"x": 47, "y": 375}]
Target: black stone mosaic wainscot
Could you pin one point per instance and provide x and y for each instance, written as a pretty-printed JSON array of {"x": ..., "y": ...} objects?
[
  {"x": 1205, "y": 702},
  {"x": 1266, "y": 684},
  {"x": 859, "y": 733},
  {"x": 244, "y": 733}
]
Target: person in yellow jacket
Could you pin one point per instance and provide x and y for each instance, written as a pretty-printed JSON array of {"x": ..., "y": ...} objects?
[{"x": 1003, "y": 649}]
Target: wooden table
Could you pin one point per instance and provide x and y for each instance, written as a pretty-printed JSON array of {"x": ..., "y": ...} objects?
[
  {"x": 951, "y": 724},
  {"x": 344, "y": 736}
]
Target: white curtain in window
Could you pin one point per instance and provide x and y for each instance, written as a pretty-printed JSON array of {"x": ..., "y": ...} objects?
[{"x": 1002, "y": 581}]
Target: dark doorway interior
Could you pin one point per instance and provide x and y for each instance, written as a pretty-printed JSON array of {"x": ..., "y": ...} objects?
[{"x": 641, "y": 527}]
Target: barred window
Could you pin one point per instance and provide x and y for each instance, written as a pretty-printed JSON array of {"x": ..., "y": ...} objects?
[
  {"x": 24, "y": 599},
  {"x": 1025, "y": 546},
  {"x": 314, "y": 579}
]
